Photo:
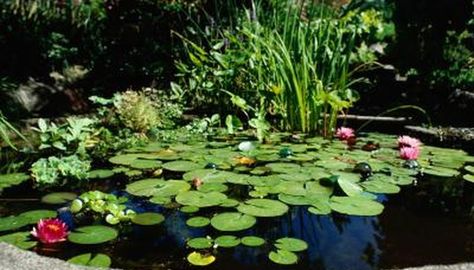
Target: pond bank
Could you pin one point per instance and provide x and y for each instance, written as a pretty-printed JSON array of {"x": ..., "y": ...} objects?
[{"x": 12, "y": 258}]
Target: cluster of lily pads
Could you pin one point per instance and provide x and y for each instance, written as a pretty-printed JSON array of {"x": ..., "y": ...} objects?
[{"x": 229, "y": 184}]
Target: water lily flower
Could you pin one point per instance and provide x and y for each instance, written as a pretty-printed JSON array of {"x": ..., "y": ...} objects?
[
  {"x": 49, "y": 231},
  {"x": 344, "y": 133},
  {"x": 407, "y": 141},
  {"x": 246, "y": 146},
  {"x": 409, "y": 153}
]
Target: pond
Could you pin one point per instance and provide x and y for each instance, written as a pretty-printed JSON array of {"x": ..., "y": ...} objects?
[{"x": 229, "y": 203}]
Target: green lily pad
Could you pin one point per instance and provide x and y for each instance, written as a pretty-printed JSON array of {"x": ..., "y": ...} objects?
[
  {"x": 157, "y": 187},
  {"x": 90, "y": 235},
  {"x": 12, "y": 179},
  {"x": 283, "y": 257},
  {"x": 356, "y": 206},
  {"x": 468, "y": 177},
  {"x": 145, "y": 164},
  {"x": 264, "y": 181},
  {"x": 124, "y": 159},
  {"x": 19, "y": 239},
  {"x": 350, "y": 188},
  {"x": 100, "y": 260},
  {"x": 377, "y": 186},
  {"x": 101, "y": 174},
  {"x": 200, "y": 199},
  {"x": 263, "y": 208},
  {"x": 300, "y": 177},
  {"x": 281, "y": 167},
  {"x": 232, "y": 221},
  {"x": 148, "y": 219},
  {"x": 182, "y": 166},
  {"x": 200, "y": 243},
  {"x": 320, "y": 207},
  {"x": 35, "y": 215},
  {"x": 291, "y": 244},
  {"x": 252, "y": 241},
  {"x": 58, "y": 197},
  {"x": 440, "y": 171},
  {"x": 198, "y": 222},
  {"x": 229, "y": 203},
  {"x": 210, "y": 187},
  {"x": 189, "y": 209},
  {"x": 469, "y": 169},
  {"x": 13, "y": 222},
  {"x": 227, "y": 241},
  {"x": 294, "y": 200},
  {"x": 199, "y": 259}
]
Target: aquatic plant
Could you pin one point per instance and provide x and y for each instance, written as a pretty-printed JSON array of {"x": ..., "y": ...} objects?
[
  {"x": 50, "y": 171},
  {"x": 407, "y": 141},
  {"x": 50, "y": 231},
  {"x": 409, "y": 153},
  {"x": 344, "y": 133}
]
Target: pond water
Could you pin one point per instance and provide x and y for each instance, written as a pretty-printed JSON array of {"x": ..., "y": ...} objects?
[{"x": 428, "y": 222}]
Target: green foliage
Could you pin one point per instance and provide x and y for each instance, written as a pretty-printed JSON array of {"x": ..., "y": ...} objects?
[
  {"x": 72, "y": 138},
  {"x": 54, "y": 171},
  {"x": 459, "y": 58},
  {"x": 104, "y": 205},
  {"x": 136, "y": 111},
  {"x": 5, "y": 129}
]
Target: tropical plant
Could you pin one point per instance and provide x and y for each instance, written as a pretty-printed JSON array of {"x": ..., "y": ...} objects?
[{"x": 5, "y": 129}]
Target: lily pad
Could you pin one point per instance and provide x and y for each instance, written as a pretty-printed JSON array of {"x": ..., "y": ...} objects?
[
  {"x": 101, "y": 174},
  {"x": 35, "y": 215},
  {"x": 356, "y": 206},
  {"x": 90, "y": 235},
  {"x": 182, "y": 166},
  {"x": 58, "y": 197},
  {"x": 469, "y": 169},
  {"x": 227, "y": 241},
  {"x": 263, "y": 208},
  {"x": 198, "y": 259},
  {"x": 283, "y": 257},
  {"x": 200, "y": 243},
  {"x": 12, "y": 179},
  {"x": 198, "y": 222},
  {"x": 377, "y": 186},
  {"x": 148, "y": 219},
  {"x": 232, "y": 221},
  {"x": 124, "y": 159},
  {"x": 349, "y": 187},
  {"x": 252, "y": 241},
  {"x": 281, "y": 167},
  {"x": 291, "y": 244},
  {"x": 200, "y": 199},
  {"x": 157, "y": 187},
  {"x": 468, "y": 177},
  {"x": 145, "y": 164},
  {"x": 189, "y": 209},
  {"x": 210, "y": 187},
  {"x": 13, "y": 222},
  {"x": 440, "y": 171},
  {"x": 100, "y": 260},
  {"x": 19, "y": 239}
]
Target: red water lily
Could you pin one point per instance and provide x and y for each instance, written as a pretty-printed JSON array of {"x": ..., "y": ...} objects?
[
  {"x": 409, "y": 153},
  {"x": 407, "y": 141},
  {"x": 50, "y": 231}
]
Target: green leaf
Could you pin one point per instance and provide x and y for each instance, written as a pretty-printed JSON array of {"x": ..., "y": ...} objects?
[
  {"x": 200, "y": 199},
  {"x": 19, "y": 239},
  {"x": 101, "y": 174},
  {"x": 252, "y": 241},
  {"x": 200, "y": 243},
  {"x": 227, "y": 241},
  {"x": 198, "y": 222},
  {"x": 58, "y": 197},
  {"x": 182, "y": 166},
  {"x": 100, "y": 260},
  {"x": 148, "y": 219},
  {"x": 468, "y": 177},
  {"x": 198, "y": 259},
  {"x": 13, "y": 222},
  {"x": 35, "y": 215},
  {"x": 356, "y": 206},
  {"x": 291, "y": 244},
  {"x": 263, "y": 208},
  {"x": 90, "y": 235},
  {"x": 232, "y": 221},
  {"x": 283, "y": 257}
]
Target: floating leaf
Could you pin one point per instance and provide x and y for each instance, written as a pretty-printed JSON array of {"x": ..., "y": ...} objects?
[
  {"x": 227, "y": 241},
  {"x": 291, "y": 244},
  {"x": 440, "y": 171},
  {"x": 252, "y": 241},
  {"x": 182, "y": 166},
  {"x": 283, "y": 167},
  {"x": 469, "y": 169},
  {"x": 58, "y": 197},
  {"x": 356, "y": 206},
  {"x": 320, "y": 207},
  {"x": 198, "y": 259},
  {"x": 210, "y": 187},
  {"x": 232, "y": 221},
  {"x": 283, "y": 257},
  {"x": 101, "y": 173},
  {"x": 148, "y": 219},
  {"x": 13, "y": 222},
  {"x": 12, "y": 179},
  {"x": 145, "y": 164},
  {"x": 157, "y": 187},
  {"x": 200, "y": 199},
  {"x": 100, "y": 260},
  {"x": 468, "y": 177},
  {"x": 189, "y": 209},
  {"x": 90, "y": 235},
  {"x": 200, "y": 243},
  {"x": 377, "y": 186},
  {"x": 19, "y": 239},
  {"x": 263, "y": 208},
  {"x": 35, "y": 215},
  {"x": 198, "y": 222},
  {"x": 350, "y": 188}
]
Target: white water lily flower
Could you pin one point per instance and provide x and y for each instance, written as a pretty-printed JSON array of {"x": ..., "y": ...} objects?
[{"x": 246, "y": 146}]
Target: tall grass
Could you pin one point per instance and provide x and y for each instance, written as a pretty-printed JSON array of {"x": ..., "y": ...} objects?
[{"x": 6, "y": 129}]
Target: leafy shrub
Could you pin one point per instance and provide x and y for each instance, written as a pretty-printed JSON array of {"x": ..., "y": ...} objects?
[{"x": 51, "y": 171}]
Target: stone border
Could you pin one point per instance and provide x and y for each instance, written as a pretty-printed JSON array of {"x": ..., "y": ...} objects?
[{"x": 12, "y": 258}]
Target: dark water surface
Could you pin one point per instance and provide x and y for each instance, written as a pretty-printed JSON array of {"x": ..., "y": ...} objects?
[{"x": 430, "y": 223}]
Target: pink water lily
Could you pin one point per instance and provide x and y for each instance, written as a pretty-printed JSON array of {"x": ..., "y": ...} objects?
[
  {"x": 409, "y": 153},
  {"x": 344, "y": 133},
  {"x": 407, "y": 141},
  {"x": 49, "y": 231}
]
